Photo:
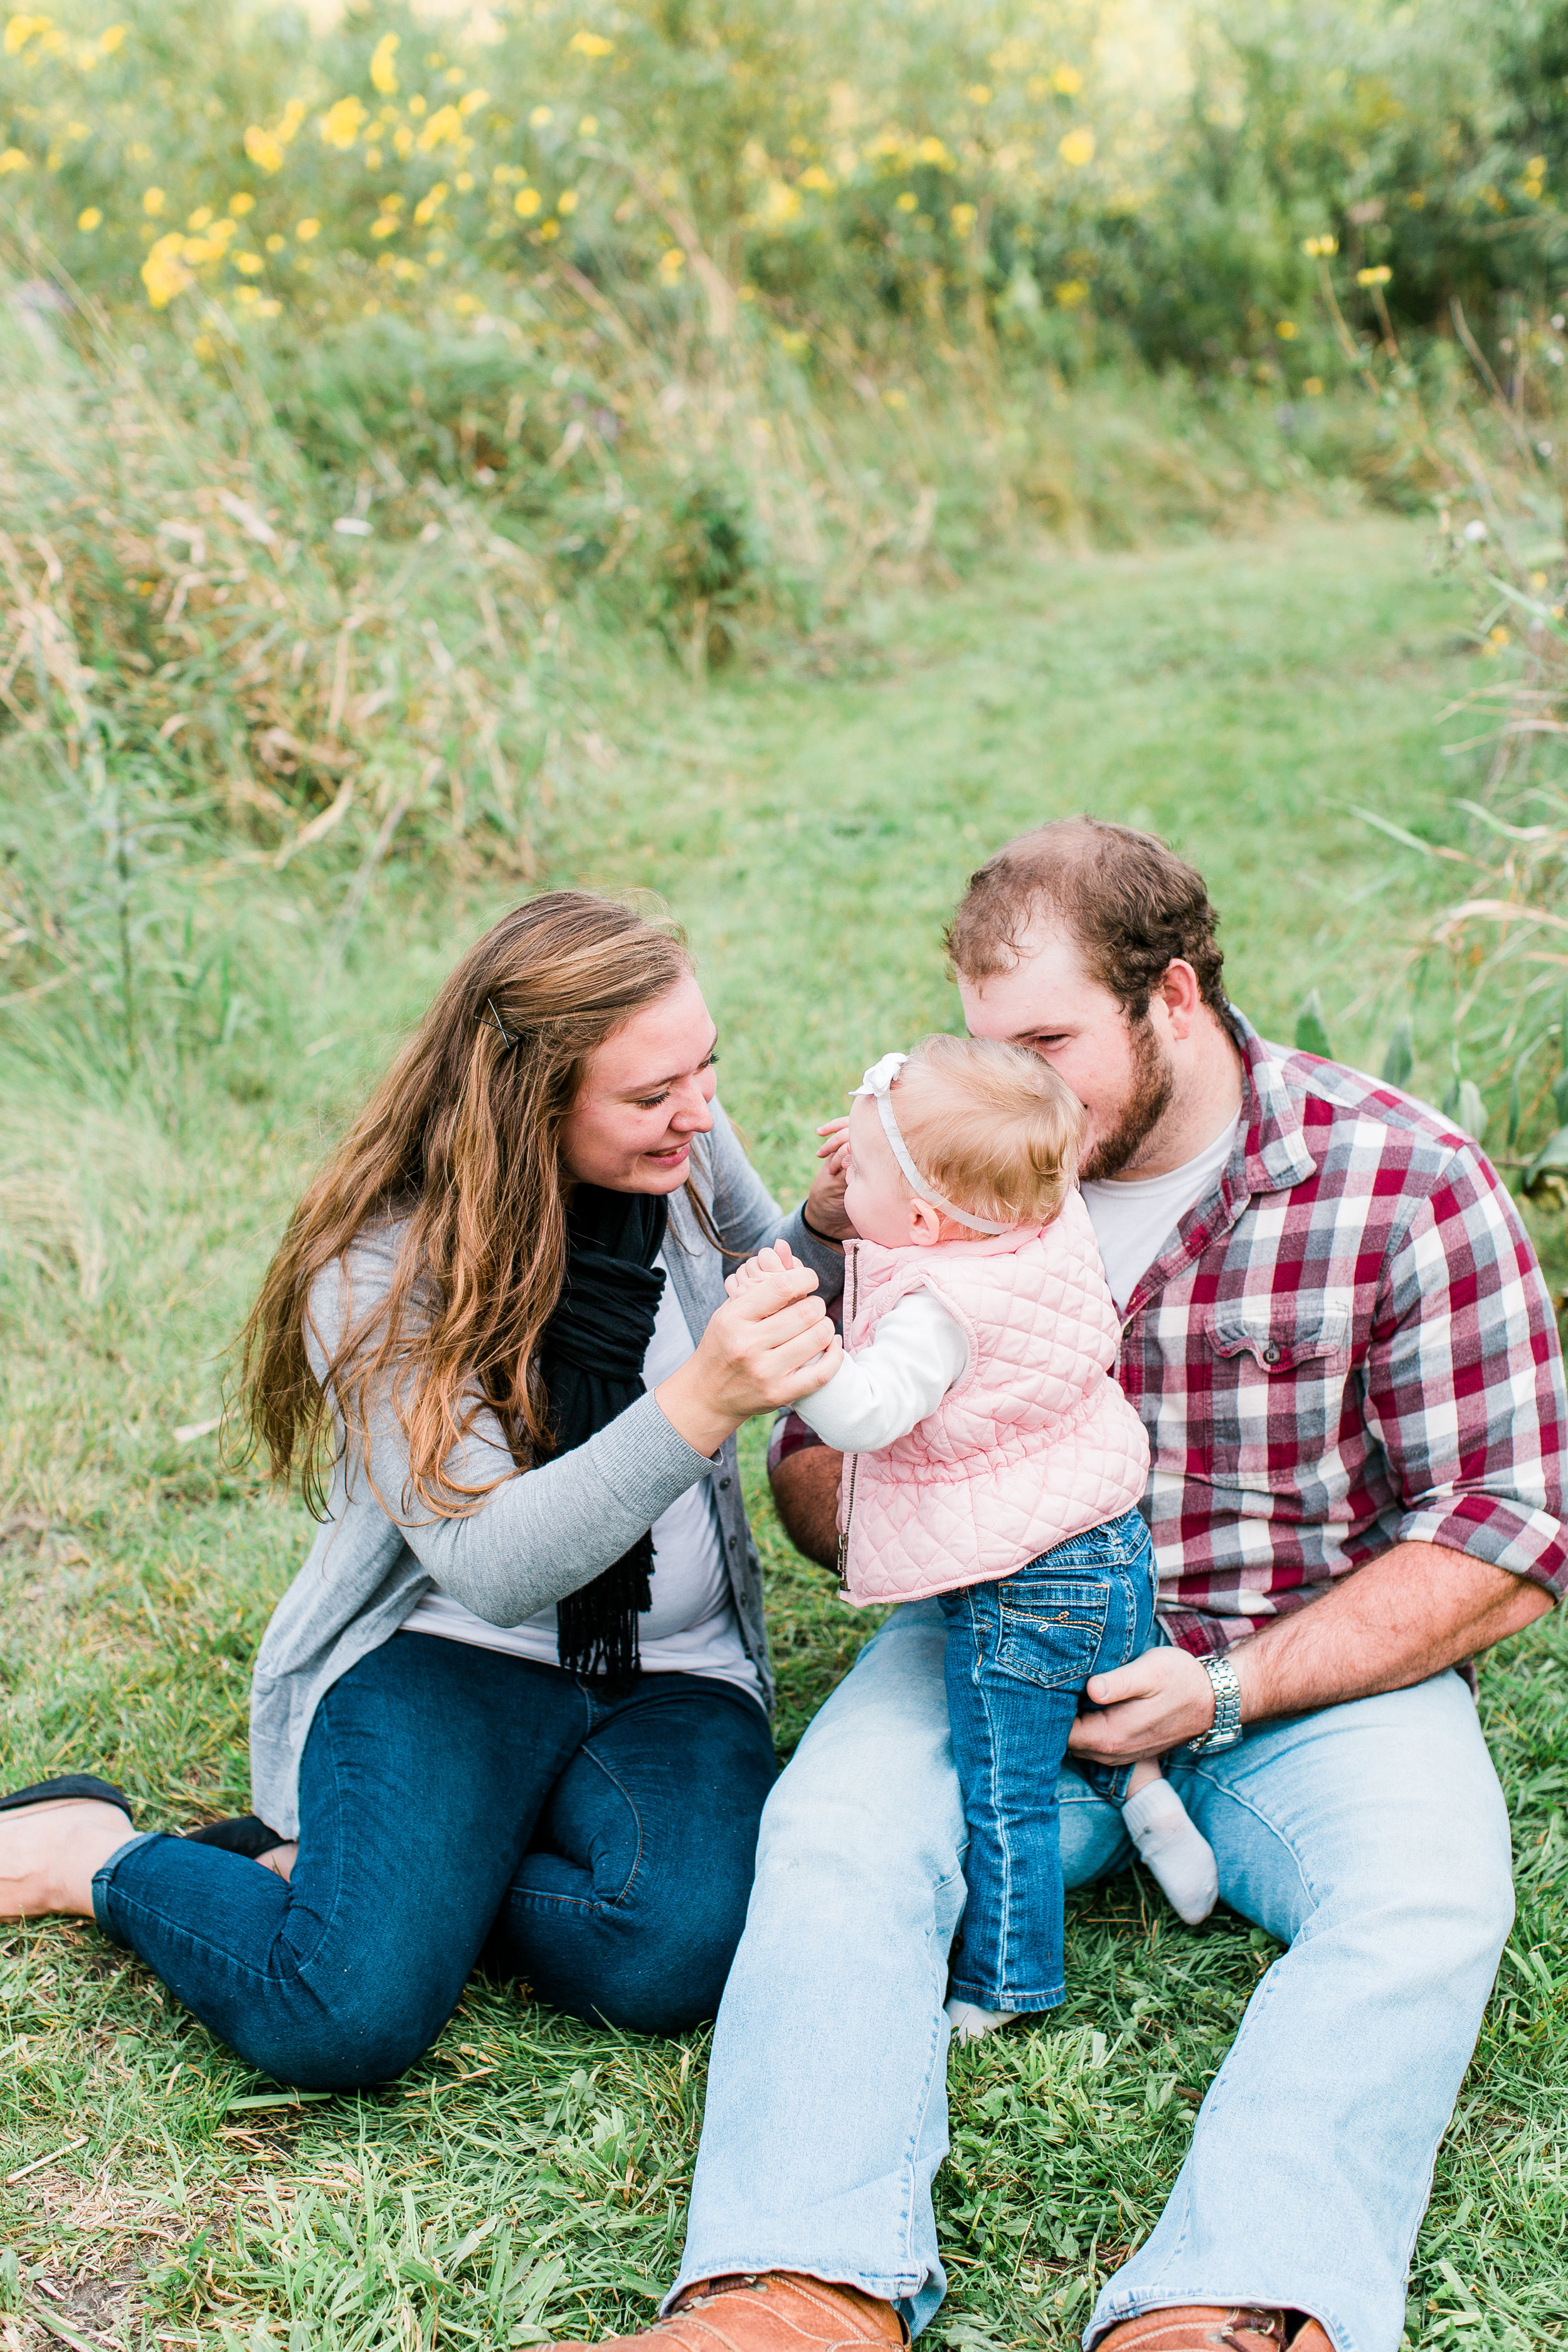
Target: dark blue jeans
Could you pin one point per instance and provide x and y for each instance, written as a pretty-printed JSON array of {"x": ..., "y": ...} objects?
[
  {"x": 1019, "y": 1652},
  {"x": 459, "y": 1808}
]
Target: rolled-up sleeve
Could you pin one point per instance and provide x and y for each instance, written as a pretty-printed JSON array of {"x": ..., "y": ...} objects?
[{"x": 1464, "y": 1380}]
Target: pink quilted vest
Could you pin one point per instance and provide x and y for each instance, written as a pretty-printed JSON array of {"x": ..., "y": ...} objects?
[{"x": 1033, "y": 1443}]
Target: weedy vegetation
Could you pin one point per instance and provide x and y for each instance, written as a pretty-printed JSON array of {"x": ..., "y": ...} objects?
[{"x": 765, "y": 457}]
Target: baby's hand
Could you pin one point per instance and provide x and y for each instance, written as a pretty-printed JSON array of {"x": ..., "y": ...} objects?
[{"x": 778, "y": 1258}]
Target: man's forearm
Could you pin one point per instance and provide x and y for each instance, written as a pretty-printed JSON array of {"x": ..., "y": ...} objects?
[
  {"x": 1396, "y": 1622},
  {"x": 1419, "y": 1608}
]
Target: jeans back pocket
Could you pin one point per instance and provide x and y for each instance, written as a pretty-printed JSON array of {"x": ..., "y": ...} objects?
[{"x": 1051, "y": 1629}]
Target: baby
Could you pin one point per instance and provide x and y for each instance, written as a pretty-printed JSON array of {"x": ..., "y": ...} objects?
[{"x": 992, "y": 1461}]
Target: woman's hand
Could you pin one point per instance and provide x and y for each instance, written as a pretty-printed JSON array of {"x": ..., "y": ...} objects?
[
  {"x": 766, "y": 1345},
  {"x": 825, "y": 1202}
]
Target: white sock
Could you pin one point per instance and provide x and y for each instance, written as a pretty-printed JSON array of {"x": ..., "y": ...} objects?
[
  {"x": 1179, "y": 1857},
  {"x": 972, "y": 2025}
]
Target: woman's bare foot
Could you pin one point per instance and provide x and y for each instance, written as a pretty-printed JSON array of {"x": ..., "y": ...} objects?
[{"x": 51, "y": 1853}]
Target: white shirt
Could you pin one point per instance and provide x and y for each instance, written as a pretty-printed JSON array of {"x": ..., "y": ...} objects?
[
  {"x": 916, "y": 1351},
  {"x": 1134, "y": 1221},
  {"x": 690, "y": 1628}
]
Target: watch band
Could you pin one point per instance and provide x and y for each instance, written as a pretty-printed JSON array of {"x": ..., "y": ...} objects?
[{"x": 1225, "y": 1729}]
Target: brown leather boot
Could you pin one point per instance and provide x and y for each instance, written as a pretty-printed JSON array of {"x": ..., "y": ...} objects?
[
  {"x": 1207, "y": 2327},
  {"x": 777, "y": 2311}
]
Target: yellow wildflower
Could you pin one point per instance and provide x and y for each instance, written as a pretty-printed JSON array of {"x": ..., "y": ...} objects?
[
  {"x": 417, "y": 105},
  {"x": 1072, "y": 294},
  {"x": 549, "y": 229},
  {"x": 567, "y": 201},
  {"x": 152, "y": 203},
  {"x": 815, "y": 177},
  {"x": 671, "y": 262},
  {"x": 89, "y": 218},
  {"x": 1068, "y": 79},
  {"x": 907, "y": 202},
  {"x": 430, "y": 203},
  {"x": 1378, "y": 277},
  {"x": 540, "y": 115},
  {"x": 307, "y": 230},
  {"x": 242, "y": 204},
  {"x": 403, "y": 140},
  {"x": 1313, "y": 387},
  {"x": 443, "y": 124},
  {"x": 269, "y": 309},
  {"x": 388, "y": 225},
  {"x": 590, "y": 45},
  {"x": 13, "y": 160},
  {"x": 895, "y": 399},
  {"x": 250, "y": 263},
  {"x": 342, "y": 122},
  {"x": 163, "y": 273},
  {"x": 588, "y": 125},
  {"x": 202, "y": 346},
  {"x": 264, "y": 148},
  {"x": 1319, "y": 248},
  {"x": 112, "y": 38},
  {"x": 472, "y": 102},
  {"x": 979, "y": 93},
  {"x": 275, "y": 244},
  {"x": 931, "y": 150},
  {"x": 526, "y": 202},
  {"x": 963, "y": 217},
  {"x": 382, "y": 71},
  {"x": 20, "y": 31},
  {"x": 1286, "y": 330},
  {"x": 1077, "y": 147},
  {"x": 200, "y": 218},
  {"x": 780, "y": 203},
  {"x": 1416, "y": 200}
]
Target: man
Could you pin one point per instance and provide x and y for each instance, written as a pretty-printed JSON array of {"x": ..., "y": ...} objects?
[{"x": 1344, "y": 1355}]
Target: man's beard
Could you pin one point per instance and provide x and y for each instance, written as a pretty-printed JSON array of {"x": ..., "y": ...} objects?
[{"x": 1153, "y": 1084}]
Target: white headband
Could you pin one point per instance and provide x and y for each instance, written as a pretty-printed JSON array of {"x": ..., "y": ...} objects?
[{"x": 878, "y": 1083}]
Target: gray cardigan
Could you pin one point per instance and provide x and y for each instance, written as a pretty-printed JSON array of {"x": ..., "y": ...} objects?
[{"x": 536, "y": 1537}]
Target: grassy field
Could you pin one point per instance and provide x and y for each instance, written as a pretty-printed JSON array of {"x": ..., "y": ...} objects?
[{"x": 812, "y": 826}]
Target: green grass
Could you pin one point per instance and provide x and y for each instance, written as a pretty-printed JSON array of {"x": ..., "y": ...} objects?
[{"x": 813, "y": 830}]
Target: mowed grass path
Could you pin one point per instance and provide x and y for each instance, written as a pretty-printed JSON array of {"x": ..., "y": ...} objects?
[{"x": 811, "y": 828}]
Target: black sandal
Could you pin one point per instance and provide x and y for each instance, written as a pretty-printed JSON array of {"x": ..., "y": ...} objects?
[
  {"x": 70, "y": 1784},
  {"x": 244, "y": 1833}
]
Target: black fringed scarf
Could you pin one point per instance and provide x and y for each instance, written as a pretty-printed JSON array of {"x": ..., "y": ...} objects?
[{"x": 591, "y": 1359}]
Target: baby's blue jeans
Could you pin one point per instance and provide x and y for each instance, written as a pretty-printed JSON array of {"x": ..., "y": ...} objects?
[{"x": 1020, "y": 1651}]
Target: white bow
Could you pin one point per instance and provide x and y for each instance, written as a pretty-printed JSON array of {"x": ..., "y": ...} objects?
[{"x": 878, "y": 1083}]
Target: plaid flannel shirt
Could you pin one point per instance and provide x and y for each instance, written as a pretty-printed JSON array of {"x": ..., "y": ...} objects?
[{"x": 1347, "y": 1344}]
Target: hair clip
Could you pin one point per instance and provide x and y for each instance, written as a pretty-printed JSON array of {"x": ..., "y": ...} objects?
[{"x": 500, "y": 1027}]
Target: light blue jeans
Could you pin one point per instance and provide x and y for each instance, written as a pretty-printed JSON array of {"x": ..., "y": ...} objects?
[{"x": 1371, "y": 1839}]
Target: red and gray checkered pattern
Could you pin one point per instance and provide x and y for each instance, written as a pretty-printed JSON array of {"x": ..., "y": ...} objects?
[{"x": 1347, "y": 1345}]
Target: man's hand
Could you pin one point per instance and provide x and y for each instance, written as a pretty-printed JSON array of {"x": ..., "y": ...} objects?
[
  {"x": 1159, "y": 1702},
  {"x": 1397, "y": 1621},
  {"x": 825, "y": 1202}
]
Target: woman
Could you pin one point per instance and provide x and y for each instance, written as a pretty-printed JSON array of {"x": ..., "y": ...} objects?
[{"x": 513, "y": 1708}]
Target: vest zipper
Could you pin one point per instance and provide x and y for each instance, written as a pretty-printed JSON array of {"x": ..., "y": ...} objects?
[{"x": 855, "y": 1459}]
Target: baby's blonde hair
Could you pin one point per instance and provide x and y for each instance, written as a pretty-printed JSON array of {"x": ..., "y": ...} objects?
[{"x": 990, "y": 1127}]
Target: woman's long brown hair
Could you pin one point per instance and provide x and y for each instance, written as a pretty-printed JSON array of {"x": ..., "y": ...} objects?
[{"x": 461, "y": 1140}]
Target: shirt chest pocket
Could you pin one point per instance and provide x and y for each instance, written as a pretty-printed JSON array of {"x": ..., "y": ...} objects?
[{"x": 1278, "y": 1368}]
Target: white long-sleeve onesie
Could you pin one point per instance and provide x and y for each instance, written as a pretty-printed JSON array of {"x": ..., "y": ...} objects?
[{"x": 916, "y": 1351}]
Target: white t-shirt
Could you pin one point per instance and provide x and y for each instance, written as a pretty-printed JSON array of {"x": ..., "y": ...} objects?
[
  {"x": 1134, "y": 1221},
  {"x": 690, "y": 1628},
  {"x": 916, "y": 1351}
]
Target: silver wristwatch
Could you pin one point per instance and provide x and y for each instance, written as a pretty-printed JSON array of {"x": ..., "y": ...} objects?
[{"x": 1225, "y": 1729}]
